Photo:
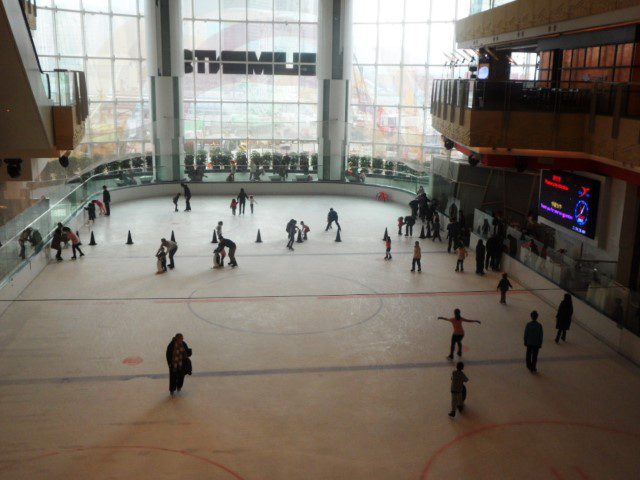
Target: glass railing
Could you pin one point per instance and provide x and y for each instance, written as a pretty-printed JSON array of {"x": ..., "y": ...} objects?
[
  {"x": 590, "y": 280},
  {"x": 538, "y": 96},
  {"x": 61, "y": 199}
]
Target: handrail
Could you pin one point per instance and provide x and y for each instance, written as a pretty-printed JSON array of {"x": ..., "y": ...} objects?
[{"x": 26, "y": 22}]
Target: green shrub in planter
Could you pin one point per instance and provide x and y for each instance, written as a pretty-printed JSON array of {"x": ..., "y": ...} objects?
[
  {"x": 388, "y": 166},
  {"x": 304, "y": 162},
  {"x": 241, "y": 161},
  {"x": 294, "y": 163},
  {"x": 365, "y": 162},
  {"x": 314, "y": 162},
  {"x": 267, "y": 160},
  {"x": 378, "y": 165},
  {"x": 137, "y": 162},
  {"x": 201, "y": 157},
  {"x": 352, "y": 162}
]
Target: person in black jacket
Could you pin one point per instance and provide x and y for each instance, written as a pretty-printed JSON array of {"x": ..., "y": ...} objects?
[
  {"x": 453, "y": 232},
  {"x": 226, "y": 243},
  {"x": 187, "y": 196},
  {"x": 178, "y": 354},
  {"x": 91, "y": 210},
  {"x": 106, "y": 199},
  {"x": 563, "y": 318},
  {"x": 480, "y": 252},
  {"x": 409, "y": 222},
  {"x": 242, "y": 200},
  {"x": 291, "y": 229},
  {"x": 533, "y": 335},
  {"x": 332, "y": 216}
]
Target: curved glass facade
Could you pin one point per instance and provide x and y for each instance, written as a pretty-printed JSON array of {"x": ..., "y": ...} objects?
[
  {"x": 251, "y": 83},
  {"x": 250, "y": 73},
  {"x": 105, "y": 39},
  {"x": 399, "y": 47}
]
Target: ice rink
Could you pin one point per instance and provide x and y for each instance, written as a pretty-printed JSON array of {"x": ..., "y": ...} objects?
[{"x": 323, "y": 363}]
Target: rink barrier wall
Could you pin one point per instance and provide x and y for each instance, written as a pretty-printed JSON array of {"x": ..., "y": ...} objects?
[{"x": 597, "y": 324}]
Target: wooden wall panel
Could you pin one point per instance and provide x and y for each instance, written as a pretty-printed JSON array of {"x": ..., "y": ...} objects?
[
  {"x": 507, "y": 18},
  {"x": 562, "y": 10},
  {"x": 533, "y": 13},
  {"x": 627, "y": 3}
]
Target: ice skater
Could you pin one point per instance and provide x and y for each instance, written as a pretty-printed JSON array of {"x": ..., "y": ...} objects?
[
  {"x": 409, "y": 222},
  {"x": 187, "y": 196},
  {"x": 178, "y": 354},
  {"x": 458, "y": 389},
  {"x": 106, "y": 198},
  {"x": 563, "y": 318},
  {"x": 75, "y": 242},
  {"x": 172, "y": 248},
  {"x": 480, "y": 252},
  {"x": 462, "y": 254},
  {"x": 176, "y": 197},
  {"x": 219, "y": 229},
  {"x": 388, "y": 248},
  {"x": 242, "y": 201},
  {"x": 252, "y": 202},
  {"x": 458, "y": 331},
  {"x": 305, "y": 230},
  {"x": 504, "y": 285},
  {"x": 417, "y": 255},
  {"x": 291, "y": 229},
  {"x": 533, "y": 335},
  {"x": 161, "y": 261},
  {"x": 400, "y": 225},
  {"x": 227, "y": 243},
  {"x": 332, "y": 216},
  {"x": 91, "y": 211},
  {"x": 436, "y": 227},
  {"x": 234, "y": 205}
]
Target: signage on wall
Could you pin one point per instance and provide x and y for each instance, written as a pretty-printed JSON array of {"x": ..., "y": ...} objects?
[
  {"x": 234, "y": 62},
  {"x": 570, "y": 200}
]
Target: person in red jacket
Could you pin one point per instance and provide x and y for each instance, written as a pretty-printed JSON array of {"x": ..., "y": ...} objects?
[
  {"x": 388, "y": 248},
  {"x": 400, "y": 224},
  {"x": 458, "y": 331},
  {"x": 75, "y": 242},
  {"x": 234, "y": 205}
]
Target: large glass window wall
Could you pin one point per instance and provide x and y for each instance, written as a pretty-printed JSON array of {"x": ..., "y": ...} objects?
[
  {"x": 399, "y": 47},
  {"x": 105, "y": 39},
  {"x": 250, "y": 84}
]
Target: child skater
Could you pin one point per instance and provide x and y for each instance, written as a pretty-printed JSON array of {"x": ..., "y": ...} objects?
[
  {"x": 252, "y": 201},
  {"x": 161, "y": 262},
  {"x": 388, "y": 248},
  {"x": 175, "y": 200},
  {"x": 234, "y": 205},
  {"x": 504, "y": 285},
  {"x": 305, "y": 230},
  {"x": 458, "y": 389},
  {"x": 400, "y": 224}
]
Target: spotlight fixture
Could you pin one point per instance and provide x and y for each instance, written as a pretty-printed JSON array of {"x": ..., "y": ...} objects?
[
  {"x": 473, "y": 160},
  {"x": 64, "y": 161},
  {"x": 448, "y": 144},
  {"x": 14, "y": 167}
]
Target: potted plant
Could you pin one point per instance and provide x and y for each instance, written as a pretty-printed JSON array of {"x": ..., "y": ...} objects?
[
  {"x": 388, "y": 167},
  {"x": 295, "y": 161},
  {"x": 314, "y": 162},
  {"x": 352, "y": 162},
  {"x": 267, "y": 159},
  {"x": 241, "y": 161},
  {"x": 365, "y": 162},
  {"x": 378, "y": 165},
  {"x": 201, "y": 158},
  {"x": 304, "y": 162}
]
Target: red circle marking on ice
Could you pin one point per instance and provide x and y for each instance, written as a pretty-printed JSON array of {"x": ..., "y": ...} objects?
[
  {"x": 132, "y": 361},
  {"x": 184, "y": 453},
  {"x": 487, "y": 428}
]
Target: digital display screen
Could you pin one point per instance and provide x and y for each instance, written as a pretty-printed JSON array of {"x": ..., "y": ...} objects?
[{"x": 570, "y": 200}]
